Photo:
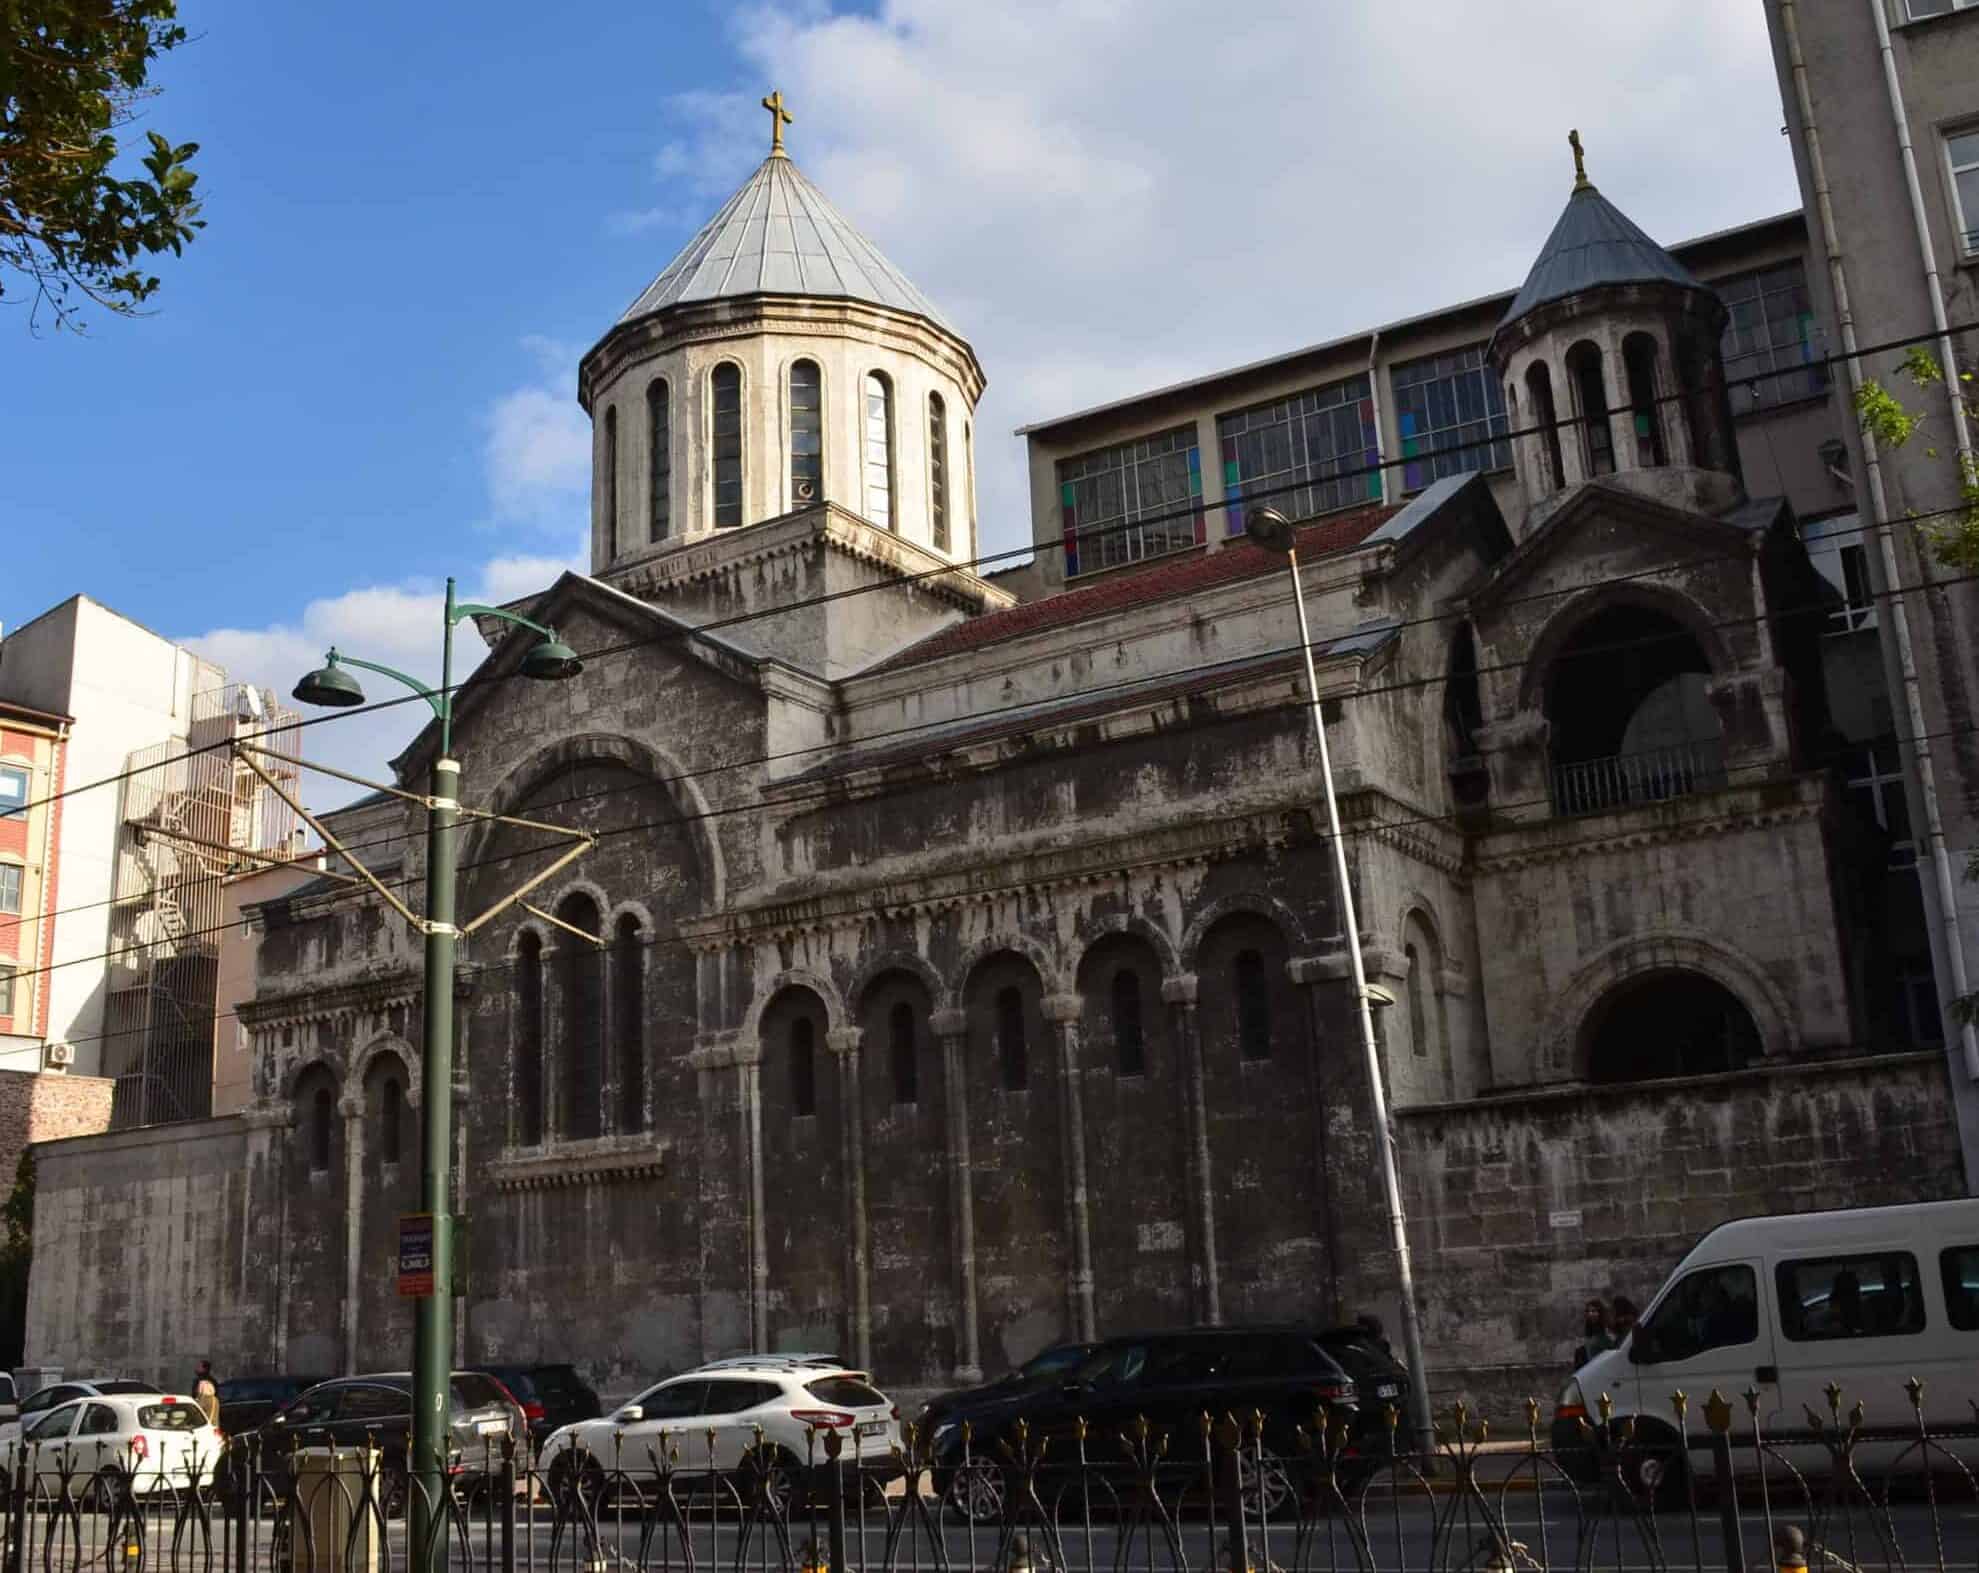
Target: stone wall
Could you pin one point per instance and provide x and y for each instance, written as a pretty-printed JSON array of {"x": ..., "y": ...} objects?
[
  {"x": 38, "y": 1106},
  {"x": 1521, "y": 1207}
]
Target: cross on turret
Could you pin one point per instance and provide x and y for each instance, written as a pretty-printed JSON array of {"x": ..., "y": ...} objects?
[
  {"x": 779, "y": 118},
  {"x": 1581, "y": 182}
]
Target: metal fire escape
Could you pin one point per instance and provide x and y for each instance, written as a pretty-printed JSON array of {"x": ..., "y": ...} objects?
[{"x": 193, "y": 814}]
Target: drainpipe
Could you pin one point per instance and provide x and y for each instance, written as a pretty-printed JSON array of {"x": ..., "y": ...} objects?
[
  {"x": 1944, "y": 909},
  {"x": 1961, "y": 432}
]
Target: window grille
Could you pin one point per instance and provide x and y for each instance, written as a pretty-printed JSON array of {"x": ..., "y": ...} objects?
[
  {"x": 659, "y": 462},
  {"x": 1772, "y": 346},
  {"x": 726, "y": 386},
  {"x": 1291, "y": 454},
  {"x": 1134, "y": 500},
  {"x": 1449, "y": 408}
]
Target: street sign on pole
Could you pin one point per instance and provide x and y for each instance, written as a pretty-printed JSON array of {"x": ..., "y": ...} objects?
[{"x": 415, "y": 1256}]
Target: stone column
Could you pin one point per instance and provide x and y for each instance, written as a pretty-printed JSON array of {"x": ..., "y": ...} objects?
[
  {"x": 1062, "y": 1010},
  {"x": 844, "y": 1043},
  {"x": 1179, "y": 994},
  {"x": 749, "y": 1095},
  {"x": 950, "y": 1028},
  {"x": 718, "y": 1207},
  {"x": 351, "y": 1107},
  {"x": 271, "y": 1135}
]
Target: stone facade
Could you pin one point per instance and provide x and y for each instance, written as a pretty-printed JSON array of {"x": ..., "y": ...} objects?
[{"x": 948, "y": 976}]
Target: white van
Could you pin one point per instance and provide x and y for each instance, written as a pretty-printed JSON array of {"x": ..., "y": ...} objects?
[{"x": 1867, "y": 1298}]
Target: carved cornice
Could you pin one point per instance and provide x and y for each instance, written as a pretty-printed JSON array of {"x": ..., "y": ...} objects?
[
  {"x": 605, "y": 1162},
  {"x": 298, "y": 1006},
  {"x": 1554, "y": 841}
]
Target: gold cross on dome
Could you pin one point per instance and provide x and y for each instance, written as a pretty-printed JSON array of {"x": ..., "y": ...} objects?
[
  {"x": 779, "y": 118},
  {"x": 1581, "y": 182}
]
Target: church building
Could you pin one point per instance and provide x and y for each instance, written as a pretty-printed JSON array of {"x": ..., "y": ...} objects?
[{"x": 959, "y": 965}]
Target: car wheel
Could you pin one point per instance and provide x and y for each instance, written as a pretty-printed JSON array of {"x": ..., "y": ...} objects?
[
  {"x": 393, "y": 1490},
  {"x": 108, "y": 1491},
  {"x": 1264, "y": 1481},
  {"x": 1654, "y": 1467},
  {"x": 975, "y": 1492}
]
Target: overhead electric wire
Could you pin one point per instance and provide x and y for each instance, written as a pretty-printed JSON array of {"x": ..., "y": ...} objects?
[
  {"x": 265, "y": 862},
  {"x": 1190, "y": 511}
]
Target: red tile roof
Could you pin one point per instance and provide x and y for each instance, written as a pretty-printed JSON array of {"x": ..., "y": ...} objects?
[{"x": 1160, "y": 580}]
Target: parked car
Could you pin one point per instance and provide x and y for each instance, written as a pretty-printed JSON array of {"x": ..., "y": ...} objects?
[
  {"x": 550, "y": 1395},
  {"x": 247, "y": 1401},
  {"x": 1171, "y": 1379},
  {"x": 107, "y": 1444},
  {"x": 787, "y": 1402},
  {"x": 1381, "y": 1380},
  {"x": 1866, "y": 1298},
  {"x": 377, "y": 1409},
  {"x": 55, "y": 1394},
  {"x": 1054, "y": 1363}
]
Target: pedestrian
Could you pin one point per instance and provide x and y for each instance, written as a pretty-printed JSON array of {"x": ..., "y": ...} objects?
[
  {"x": 1624, "y": 1318},
  {"x": 206, "y": 1392},
  {"x": 1370, "y": 1324},
  {"x": 1596, "y": 1335}
]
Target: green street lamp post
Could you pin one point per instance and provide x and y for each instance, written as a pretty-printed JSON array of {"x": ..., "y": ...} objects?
[
  {"x": 432, "y": 1351},
  {"x": 1269, "y": 528}
]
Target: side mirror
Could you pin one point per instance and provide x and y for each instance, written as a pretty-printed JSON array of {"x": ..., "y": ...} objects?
[
  {"x": 1642, "y": 1347},
  {"x": 631, "y": 1414}
]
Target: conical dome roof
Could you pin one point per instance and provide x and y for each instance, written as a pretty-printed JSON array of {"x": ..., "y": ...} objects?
[
  {"x": 1594, "y": 243},
  {"x": 780, "y": 235}
]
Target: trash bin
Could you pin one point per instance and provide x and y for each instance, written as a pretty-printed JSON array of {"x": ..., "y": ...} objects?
[{"x": 330, "y": 1528}]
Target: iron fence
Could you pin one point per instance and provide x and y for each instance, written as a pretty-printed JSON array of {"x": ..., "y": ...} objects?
[{"x": 1701, "y": 1492}]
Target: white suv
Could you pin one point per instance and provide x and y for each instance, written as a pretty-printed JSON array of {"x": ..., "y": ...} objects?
[{"x": 705, "y": 1421}]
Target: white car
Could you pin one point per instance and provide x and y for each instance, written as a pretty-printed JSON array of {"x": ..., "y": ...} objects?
[
  {"x": 43, "y": 1399},
  {"x": 147, "y": 1442},
  {"x": 709, "y": 1419}
]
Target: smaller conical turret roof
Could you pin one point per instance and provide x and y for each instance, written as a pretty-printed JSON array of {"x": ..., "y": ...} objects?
[
  {"x": 1594, "y": 243},
  {"x": 780, "y": 235}
]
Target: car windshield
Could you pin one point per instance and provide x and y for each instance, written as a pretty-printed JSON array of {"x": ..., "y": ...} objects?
[
  {"x": 171, "y": 1417},
  {"x": 1051, "y": 1362}
]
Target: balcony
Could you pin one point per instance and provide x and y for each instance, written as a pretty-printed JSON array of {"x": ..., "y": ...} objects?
[{"x": 1623, "y": 781}]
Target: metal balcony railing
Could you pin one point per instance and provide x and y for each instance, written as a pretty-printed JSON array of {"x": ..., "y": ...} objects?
[{"x": 1601, "y": 786}]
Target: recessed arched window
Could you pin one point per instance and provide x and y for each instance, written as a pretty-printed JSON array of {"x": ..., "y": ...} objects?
[
  {"x": 1545, "y": 416},
  {"x": 969, "y": 480},
  {"x": 391, "y": 1110},
  {"x": 612, "y": 525},
  {"x": 1591, "y": 392},
  {"x": 580, "y": 983},
  {"x": 659, "y": 460},
  {"x": 900, "y": 1050},
  {"x": 629, "y": 1021},
  {"x": 803, "y": 1068},
  {"x": 322, "y": 1108},
  {"x": 1645, "y": 416},
  {"x": 726, "y": 386},
  {"x": 877, "y": 449},
  {"x": 1129, "y": 1040},
  {"x": 807, "y": 434},
  {"x": 938, "y": 469},
  {"x": 1253, "y": 996},
  {"x": 1012, "y": 1056},
  {"x": 1418, "y": 1017},
  {"x": 529, "y": 1040}
]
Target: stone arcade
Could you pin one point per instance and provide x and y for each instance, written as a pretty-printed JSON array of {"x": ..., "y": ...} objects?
[{"x": 972, "y": 975}]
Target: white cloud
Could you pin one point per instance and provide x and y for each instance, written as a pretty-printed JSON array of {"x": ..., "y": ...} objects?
[
  {"x": 393, "y": 624},
  {"x": 1111, "y": 194}
]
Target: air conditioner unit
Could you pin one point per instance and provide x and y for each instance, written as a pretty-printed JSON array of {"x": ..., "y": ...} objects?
[{"x": 58, "y": 1056}]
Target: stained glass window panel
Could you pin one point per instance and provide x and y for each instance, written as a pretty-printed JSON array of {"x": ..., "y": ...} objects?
[
  {"x": 1130, "y": 501},
  {"x": 1303, "y": 455},
  {"x": 1451, "y": 412}
]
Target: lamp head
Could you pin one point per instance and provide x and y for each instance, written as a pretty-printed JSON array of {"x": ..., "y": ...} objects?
[
  {"x": 330, "y": 685},
  {"x": 551, "y": 661},
  {"x": 1270, "y": 529}
]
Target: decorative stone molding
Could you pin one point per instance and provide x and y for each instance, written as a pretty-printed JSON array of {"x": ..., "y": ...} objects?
[
  {"x": 948, "y": 1023},
  {"x": 1180, "y": 989},
  {"x": 1061, "y": 1008},
  {"x": 607, "y": 1161},
  {"x": 717, "y": 1050},
  {"x": 844, "y": 1041},
  {"x": 1729, "y": 812}
]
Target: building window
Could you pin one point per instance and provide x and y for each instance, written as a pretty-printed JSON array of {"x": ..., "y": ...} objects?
[
  {"x": 1253, "y": 996},
  {"x": 1835, "y": 548},
  {"x": 1450, "y": 409},
  {"x": 6, "y": 992},
  {"x": 529, "y": 1040},
  {"x": 900, "y": 1050},
  {"x": 1645, "y": 415},
  {"x": 938, "y": 469},
  {"x": 1875, "y": 1295},
  {"x": 1919, "y": 9},
  {"x": 10, "y": 888},
  {"x": 391, "y": 1104},
  {"x": 726, "y": 384},
  {"x": 580, "y": 983},
  {"x": 1771, "y": 349},
  {"x": 1591, "y": 395},
  {"x": 1130, "y": 1047},
  {"x": 659, "y": 459},
  {"x": 321, "y": 1109},
  {"x": 878, "y": 450},
  {"x": 1010, "y": 1052},
  {"x": 611, "y": 481},
  {"x": 1962, "y": 153},
  {"x": 1546, "y": 421},
  {"x": 803, "y": 1068},
  {"x": 1308, "y": 454},
  {"x": 1919, "y": 1020},
  {"x": 13, "y": 792},
  {"x": 1875, "y": 785},
  {"x": 807, "y": 433},
  {"x": 1418, "y": 1017},
  {"x": 969, "y": 480},
  {"x": 629, "y": 1022},
  {"x": 1133, "y": 500}
]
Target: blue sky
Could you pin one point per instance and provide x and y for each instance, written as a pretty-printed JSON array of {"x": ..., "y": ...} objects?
[{"x": 361, "y": 376}]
